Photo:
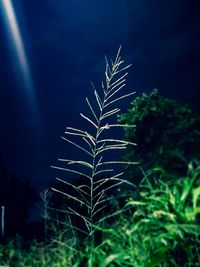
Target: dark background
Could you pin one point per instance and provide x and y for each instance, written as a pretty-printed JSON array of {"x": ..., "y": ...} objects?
[{"x": 65, "y": 43}]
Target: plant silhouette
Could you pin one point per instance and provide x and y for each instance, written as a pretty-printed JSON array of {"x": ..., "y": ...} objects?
[{"x": 99, "y": 175}]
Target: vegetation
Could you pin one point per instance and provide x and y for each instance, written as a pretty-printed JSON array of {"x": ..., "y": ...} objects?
[
  {"x": 90, "y": 196},
  {"x": 159, "y": 223},
  {"x": 167, "y": 134},
  {"x": 159, "y": 228}
]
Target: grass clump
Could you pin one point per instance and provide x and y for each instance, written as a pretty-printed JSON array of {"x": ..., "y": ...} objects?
[
  {"x": 59, "y": 252},
  {"x": 159, "y": 228}
]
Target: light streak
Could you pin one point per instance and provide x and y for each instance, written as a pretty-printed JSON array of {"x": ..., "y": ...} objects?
[
  {"x": 2, "y": 221},
  {"x": 16, "y": 41}
]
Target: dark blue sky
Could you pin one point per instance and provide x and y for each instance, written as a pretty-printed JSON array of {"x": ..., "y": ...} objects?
[{"x": 65, "y": 42}]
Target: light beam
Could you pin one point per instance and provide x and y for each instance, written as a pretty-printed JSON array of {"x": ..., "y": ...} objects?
[{"x": 15, "y": 39}]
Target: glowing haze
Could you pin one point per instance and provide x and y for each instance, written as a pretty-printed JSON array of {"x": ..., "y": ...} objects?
[{"x": 15, "y": 39}]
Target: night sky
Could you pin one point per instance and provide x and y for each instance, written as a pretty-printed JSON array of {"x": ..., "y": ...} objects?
[{"x": 65, "y": 43}]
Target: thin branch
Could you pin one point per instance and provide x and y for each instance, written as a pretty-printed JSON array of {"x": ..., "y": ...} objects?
[
  {"x": 117, "y": 175},
  {"x": 74, "y": 227},
  {"x": 75, "y": 130},
  {"x": 92, "y": 110},
  {"x": 103, "y": 87},
  {"x": 99, "y": 209},
  {"x": 78, "y": 146},
  {"x": 83, "y": 185},
  {"x": 79, "y": 215},
  {"x": 111, "y": 215},
  {"x": 89, "y": 120},
  {"x": 117, "y": 140},
  {"x": 118, "y": 162},
  {"x": 108, "y": 180},
  {"x": 114, "y": 179},
  {"x": 77, "y": 189},
  {"x": 118, "y": 99},
  {"x": 110, "y": 113},
  {"x": 117, "y": 58},
  {"x": 125, "y": 68},
  {"x": 121, "y": 125},
  {"x": 106, "y": 189},
  {"x": 115, "y": 92},
  {"x": 108, "y": 70},
  {"x": 80, "y": 162},
  {"x": 72, "y": 197},
  {"x": 89, "y": 144},
  {"x": 98, "y": 200},
  {"x": 72, "y": 171},
  {"x": 116, "y": 82},
  {"x": 85, "y": 135},
  {"x": 102, "y": 171},
  {"x": 111, "y": 147}
]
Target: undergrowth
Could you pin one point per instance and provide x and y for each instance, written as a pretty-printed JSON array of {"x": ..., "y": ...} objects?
[{"x": 159, "y": 228}]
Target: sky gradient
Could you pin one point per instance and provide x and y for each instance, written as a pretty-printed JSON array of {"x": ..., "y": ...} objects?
[{"x": 65, "y": 44}]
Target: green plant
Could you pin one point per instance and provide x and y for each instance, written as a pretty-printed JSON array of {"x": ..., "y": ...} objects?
[
  {"x": 89, "y": 198},
  {"x": 60, "y": 252},
  {"x": 160, "y": 228},
  {"x": 167, "y": 134}
]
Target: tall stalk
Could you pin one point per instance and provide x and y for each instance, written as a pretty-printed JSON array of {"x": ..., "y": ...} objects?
[{"x": 92, "y": 195}]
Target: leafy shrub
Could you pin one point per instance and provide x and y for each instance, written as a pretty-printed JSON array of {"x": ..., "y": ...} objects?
[{"x": 167, "y": 134}]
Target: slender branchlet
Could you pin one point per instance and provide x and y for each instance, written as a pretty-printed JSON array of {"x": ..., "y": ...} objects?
[{"x": 45, "y": 196}]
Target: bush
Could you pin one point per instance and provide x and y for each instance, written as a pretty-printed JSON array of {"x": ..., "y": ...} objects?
[{"x": 166, "y": 133}]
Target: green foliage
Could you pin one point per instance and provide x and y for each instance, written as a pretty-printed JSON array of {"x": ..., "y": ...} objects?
[
  {"x": 58, "y": 253},
  {"x": 159, "y": 228},
  {"x": 167, "y": 133}
]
